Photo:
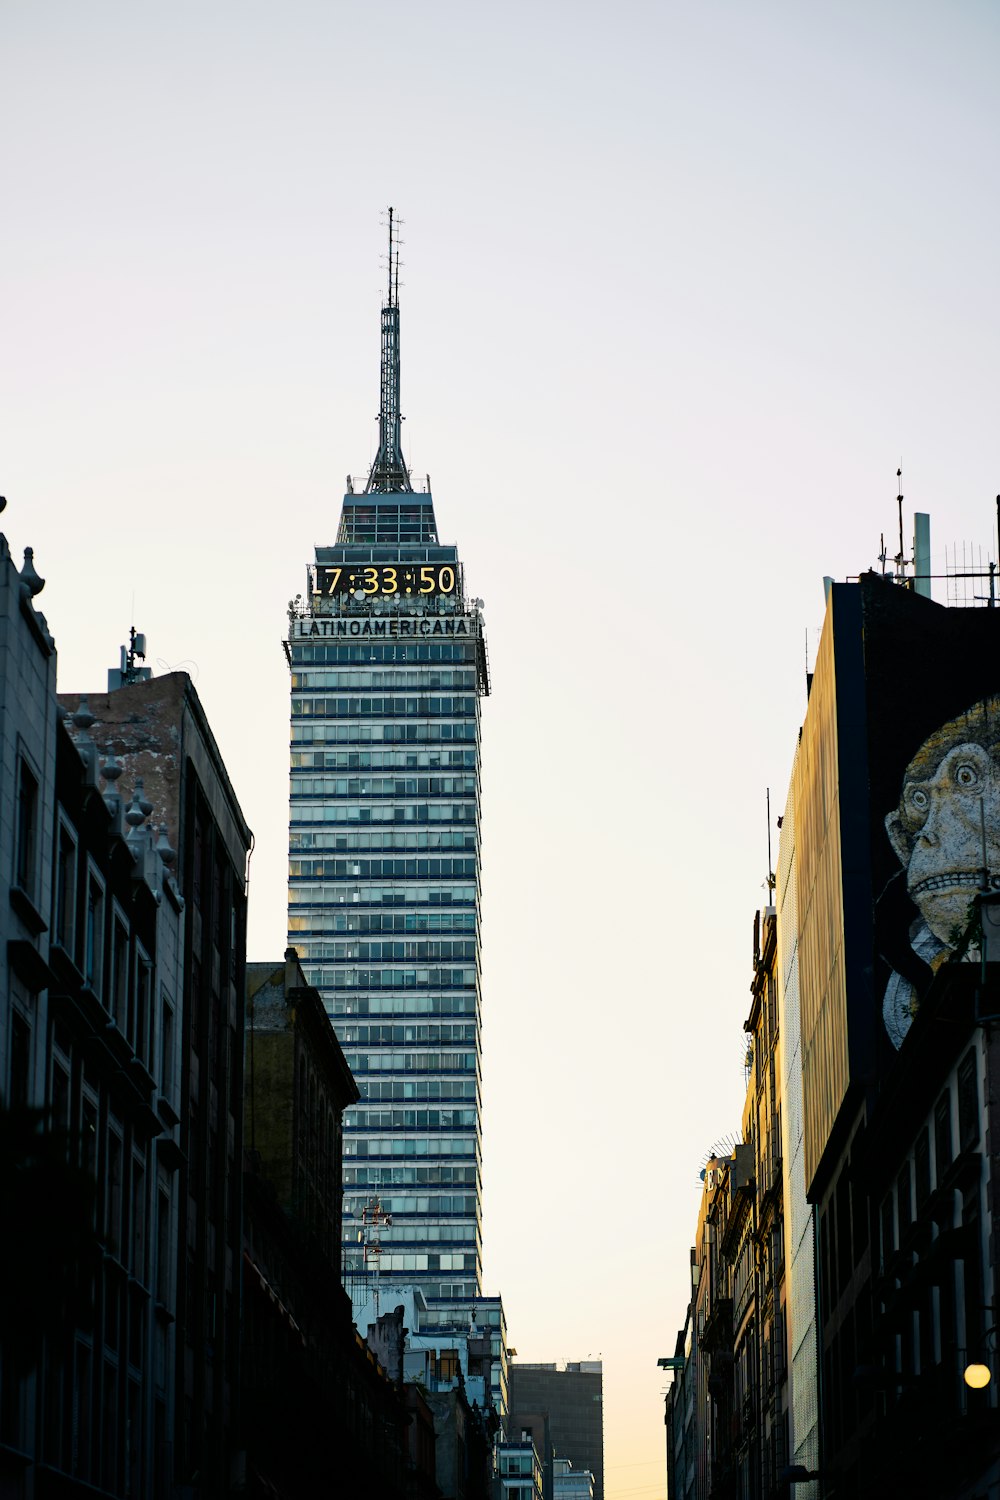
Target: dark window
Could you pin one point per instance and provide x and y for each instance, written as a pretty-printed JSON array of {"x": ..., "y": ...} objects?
[
  {"x": 197, "y": 862},
  {"x": 143, "y": 1019},
  {"x": 885, "y": 1221},
  {"x": 167, "y": 1050},
  {"x": 65, "y": 891},
  {"x": 81, "y": 1413},
  {"x": 968, "y": 1101},
  {"x": 20, "y": 1059},
  {"x": 94, "y": 936},
  {"x": 194, "y": 1004},
  {"x": 60, "y": 1098},
  {"x": 944, "y": 1148},
  {"x": 163, "y": 1248},
  {"x": 119, "y": 979},
  {"x": 26, "y": 830},
  {"x": 922, "y": 1167},
  {"x": 904, "y": 1200},
  {"x": 138, "y": 1208},
  {"x": 114, "y": 1190}
]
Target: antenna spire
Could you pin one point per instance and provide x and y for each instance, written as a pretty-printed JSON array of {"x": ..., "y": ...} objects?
[{"x": 389, "y": 474}]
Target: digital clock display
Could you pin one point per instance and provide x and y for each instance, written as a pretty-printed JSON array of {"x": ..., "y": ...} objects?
[{"x": 395, "y": 580}]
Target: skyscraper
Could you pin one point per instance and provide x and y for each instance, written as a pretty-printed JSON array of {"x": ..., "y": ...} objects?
[{"x": 388, "y": 661}]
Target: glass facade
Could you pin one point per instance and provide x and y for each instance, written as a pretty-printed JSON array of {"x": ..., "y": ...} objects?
[{"x": 388, "y": 667}]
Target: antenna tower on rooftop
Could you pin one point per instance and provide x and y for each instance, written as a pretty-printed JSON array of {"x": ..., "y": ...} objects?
[{"x": 389, "y": 474}]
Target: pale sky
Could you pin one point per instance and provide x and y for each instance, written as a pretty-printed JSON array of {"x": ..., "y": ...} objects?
[{"x": 683, "y": 284}]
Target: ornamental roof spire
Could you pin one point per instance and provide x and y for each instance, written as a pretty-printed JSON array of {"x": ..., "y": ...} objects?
[{"x": 389, "y": 474}]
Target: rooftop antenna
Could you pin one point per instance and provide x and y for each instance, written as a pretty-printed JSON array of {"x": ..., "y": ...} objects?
[
  {"x": 389, "y": 474},
  {"x": 374, "y": 1219},
  {"x": 900, "y": 558},
  {"x": 771, "y": 880}
]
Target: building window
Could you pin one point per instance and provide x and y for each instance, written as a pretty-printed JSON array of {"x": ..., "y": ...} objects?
[
  {"x": 968, "y": 1101},
  {"x": 167, "y": 1049},
  {"x": 141, "y": 1021},
  {"x": 93, "y": 949},
  {"x": 922, "y": 1167},
  {"x": 119, "y": 977},
  {"x": 114, "y": 1193},
  {"x": 137, "y": 1263},
  {"x": 64, "y": 916},
  {"x": 26, "y": 830},
  {"x": 163, "y": 1249},
  {"x": 943, "y": 1146},
  {"x": 20, "y": 1060}
]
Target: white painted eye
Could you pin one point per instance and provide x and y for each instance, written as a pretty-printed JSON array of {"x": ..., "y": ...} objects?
[
  {"x": 919, "y": 799},
  {"x": 966, "y": 775}
]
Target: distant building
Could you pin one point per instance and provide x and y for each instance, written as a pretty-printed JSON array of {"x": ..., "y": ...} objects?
[
  {"x": 570, "y": 1399},
  {"x": 801, "y": 1330},
  {"x": 449, "y": 1353},
  {"x": 519, "y": 1468},
  {"x": 569, "y": 1483},
  {"x": 765, "y": 1396},
  {"x": 387, "y": 653}
]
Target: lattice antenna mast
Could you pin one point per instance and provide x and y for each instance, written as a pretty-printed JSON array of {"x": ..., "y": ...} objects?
[{"x": 389, "y": 474}]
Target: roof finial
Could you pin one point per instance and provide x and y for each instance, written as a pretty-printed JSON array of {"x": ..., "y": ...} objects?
[{"x": 389, "y": 474}]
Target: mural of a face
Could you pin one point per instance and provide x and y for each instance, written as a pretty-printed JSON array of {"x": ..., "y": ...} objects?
[{"x": 950, "y": 798}]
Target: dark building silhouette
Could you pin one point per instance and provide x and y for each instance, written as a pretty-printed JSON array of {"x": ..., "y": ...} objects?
[
  {"x": 121, "y": 1079},
  {"x": 320, "y": 1413},
  {"x": 157, "y": 729}
]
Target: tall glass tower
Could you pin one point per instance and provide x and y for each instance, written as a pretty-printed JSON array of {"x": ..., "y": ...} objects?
[{"x": 388, "y": 661}]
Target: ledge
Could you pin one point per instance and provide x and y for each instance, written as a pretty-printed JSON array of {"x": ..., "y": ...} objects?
[
  {"x": 28, "y": 911},
  {"x": 29, "y": 965}
]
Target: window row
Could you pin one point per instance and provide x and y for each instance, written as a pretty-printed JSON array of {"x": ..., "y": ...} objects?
[
  {"x": 957, "y": 1118},
  {"x": 385, "y": 1036},
  {"x": 388, "y": 979},
  {"x": 411, "y": 1119},
  {"x": 431, "y": 948},
  {"x": 404, "y": 1005},
  {"x": 456, "y": 1233},
  {"x": 418, "y": 1203},
  {"x": 347, "y": 815},
  {"x": 412, "y": 678},
  {"x": 372, "y": 869},
  {"x": 382, "y": 760},
  {"x": 444, "y": 838},
  {"x": 396, "y": 1145},
  {"x": 323, "y": 896},
  {"x": 383, "y": 786},
  {"x": 412, "y": 1062},
  {"x": 390, "y": 707},
  {"x": 410, "y": 921},
  {"x": 410, "y": 651},
  {"x": 364, "y": 734},
  {"x": 446, "y": 1261},
  {"x": 94, "y": 931},
  {"x": 403, "y": 1175},
  {"x": 418, "y": 1088}
]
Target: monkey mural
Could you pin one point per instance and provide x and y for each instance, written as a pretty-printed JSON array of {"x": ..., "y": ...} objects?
[{"x": 945, "y": 832}]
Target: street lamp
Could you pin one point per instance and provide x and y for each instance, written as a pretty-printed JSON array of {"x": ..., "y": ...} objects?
[{"x": 977, "y": 1374}]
